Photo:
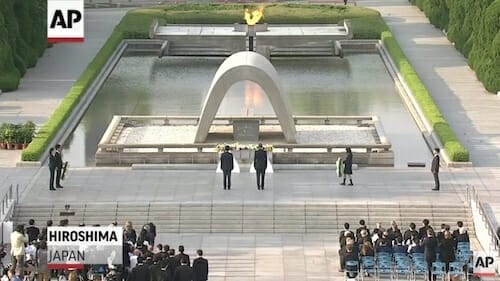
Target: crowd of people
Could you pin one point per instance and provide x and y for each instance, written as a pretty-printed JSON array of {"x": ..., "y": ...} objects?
[
  {"x": 143, "y": 259},
  {"x": 434, "y": 245}
]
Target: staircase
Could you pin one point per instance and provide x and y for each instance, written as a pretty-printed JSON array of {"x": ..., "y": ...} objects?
[{"x": 208, "y": 217}]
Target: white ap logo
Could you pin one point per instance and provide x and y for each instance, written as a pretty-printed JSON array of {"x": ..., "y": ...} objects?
[{"x": 65, "y": 21}]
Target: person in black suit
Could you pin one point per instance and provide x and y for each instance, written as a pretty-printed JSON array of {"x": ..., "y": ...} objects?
[
  {"x": 362, "y": 226},
  {"x": 447, "y": 248},
  {"x": 173, "y": 263},
  {"x": 52, "y": 168},
  {"x": 59, "y": 165},
  {"x": 183, "y": 272},
  {"x": 226, "y": 165},
  {"x": 260, "y": 165},
  {"x": 181, "y": 255},
  {"x": 32, "y": 231},
  {"x": 435, "y": 168},
  {"x": 141, "y": 271},
  {"x": 200, "y": 267},
  {"x": 422, "y": 232},
  {"x": 348, "y": 166},
  {"x": 430, "y": 248},
  {"x": 410, "y": 234},
  {"x": 460, "y": 234}
]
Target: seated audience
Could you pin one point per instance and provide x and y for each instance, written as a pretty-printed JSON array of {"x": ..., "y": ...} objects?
[
  {"x": 399, "y": 247},
  {"x": 415, "y": 247},
  {"x": 367, "y": 249},
  {"x": 394, "y": 232}
]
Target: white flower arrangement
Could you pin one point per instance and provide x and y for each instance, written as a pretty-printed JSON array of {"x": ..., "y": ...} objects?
[{"x": 238, "y": 146}]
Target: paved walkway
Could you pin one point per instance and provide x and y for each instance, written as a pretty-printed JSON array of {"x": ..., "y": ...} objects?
[
  {"x": 44, "y": 86},
  {"x": 125, "y": 185},
  {"x": 472, "y": 112}
]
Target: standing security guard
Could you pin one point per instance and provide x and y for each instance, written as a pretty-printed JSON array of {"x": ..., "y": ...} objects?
[
  {"x": 59, "y": 165},
  {"x": 52, "y": 168}
]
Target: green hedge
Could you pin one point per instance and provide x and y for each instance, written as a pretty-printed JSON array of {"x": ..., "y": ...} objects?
[
  {"x": 474, "y": 28},
  {"x": 23, "y": 38},
  {"x": 456, "y": 152}
]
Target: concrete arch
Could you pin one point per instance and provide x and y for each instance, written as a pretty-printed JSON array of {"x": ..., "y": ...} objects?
[{"x": 246, "y": 66}]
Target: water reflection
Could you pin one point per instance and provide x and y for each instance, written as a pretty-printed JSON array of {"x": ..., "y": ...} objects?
[{"x": 356, "y": 85}]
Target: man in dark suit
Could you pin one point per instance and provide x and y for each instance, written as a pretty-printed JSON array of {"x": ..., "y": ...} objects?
[
  {"x": 226, "y": 165},
  {"x": 430, "y": 248},
  {"x": 52, "y": 168},
  {"x": 33, "y": 231},
  {"x": 59, "y": 165},
  {"x": 181, "y": 255},
  {"x": 200, "y": 267},
  {"x": 140, "y": 271},
  {"x": 435, "y": 168},
  {"x": 260, "y": 165},
  {"x": 183, "y": 272},
  {"x": 410, "y": 233},
  {"x": 422, "y": 232},
  {"x": 173, "y": 263},
  {"x": 460, "y": 234}
]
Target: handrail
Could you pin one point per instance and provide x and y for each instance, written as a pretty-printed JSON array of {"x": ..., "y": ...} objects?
[
  {"x": 7, "y": 204},
  {"x": 472, "y": 195}
]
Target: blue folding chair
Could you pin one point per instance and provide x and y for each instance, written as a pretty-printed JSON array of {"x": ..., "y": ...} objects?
[
  {"x": 463, "y": 246},
  {"x": 351, "y": 270},
  {"x": 384, "y": 267},
  {"x": 457, "y": 269},
  {"x": 419, "y": 268},
  {"x": 402, "y": 267},
  {"x": 439, "y": 269},
  {"x": 367, "y": 266}
]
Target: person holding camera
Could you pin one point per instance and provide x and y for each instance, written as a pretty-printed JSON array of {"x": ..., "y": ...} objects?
[{"x": 17, "y": 240}]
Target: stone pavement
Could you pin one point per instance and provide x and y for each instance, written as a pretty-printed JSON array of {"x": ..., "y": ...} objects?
[
  {"x": 471, "y": 111},
  {"x": 44, "y": 86},
  {"x": 126, "y": 185}
]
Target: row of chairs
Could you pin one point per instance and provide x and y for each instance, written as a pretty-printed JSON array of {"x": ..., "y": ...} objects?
[{"x": 399, "y": 266}]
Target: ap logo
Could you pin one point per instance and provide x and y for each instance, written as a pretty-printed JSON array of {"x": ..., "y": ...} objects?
[
  {"x": 484, "y": 265},
  {"x": 65, "y": 21}
]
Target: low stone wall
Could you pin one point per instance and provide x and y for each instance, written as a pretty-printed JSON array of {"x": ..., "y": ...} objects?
[
  {"x": 378, "y": 159},
  {"x": 106, "y": 158}
]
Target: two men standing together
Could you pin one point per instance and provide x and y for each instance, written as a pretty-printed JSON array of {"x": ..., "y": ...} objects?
[
  {"x": 260, "y": 165},
  {"x": 55, "y": 166}
]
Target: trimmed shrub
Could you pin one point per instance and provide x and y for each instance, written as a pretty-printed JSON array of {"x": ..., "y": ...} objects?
[
  {"x": 454, "y": 149},
  {"x": 473, "y": 27},
  {"x": 23, "y": 25}
]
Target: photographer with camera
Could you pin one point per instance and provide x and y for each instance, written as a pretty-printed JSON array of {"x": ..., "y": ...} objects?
[{"x": 17, "y": 240}]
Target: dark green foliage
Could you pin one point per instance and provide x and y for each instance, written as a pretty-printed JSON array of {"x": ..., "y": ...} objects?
[
  {"x": 453, "y": 147},
  {"x": 472, "y": 25},
  {"x": 23, "y": 25}
]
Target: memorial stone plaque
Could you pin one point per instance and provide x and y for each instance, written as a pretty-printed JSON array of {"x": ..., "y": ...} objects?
[{"x": 246, "y": 130}]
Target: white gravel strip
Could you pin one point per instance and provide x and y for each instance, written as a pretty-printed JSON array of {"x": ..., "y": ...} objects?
[{"x": 306, "y": 134}]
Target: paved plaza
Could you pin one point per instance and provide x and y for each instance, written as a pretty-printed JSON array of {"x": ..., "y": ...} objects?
[{"x": 472, "y": 113}]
